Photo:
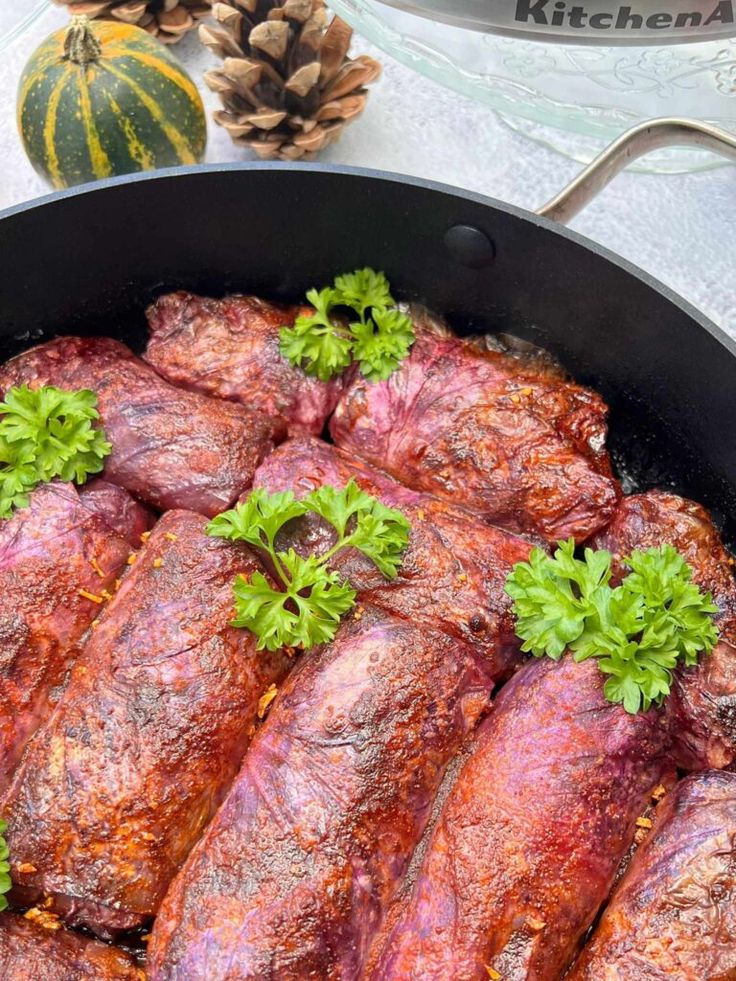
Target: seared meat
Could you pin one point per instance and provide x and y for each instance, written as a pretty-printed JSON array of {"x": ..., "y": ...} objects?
[
  {"x": 118, "y": 509},
  {"x": 453, "y": 574},
  {"x": 171, "y": 448},
  {"x": 506, "y": 437},
  {"x": 527, "y": 844},
  {"x": 50, "y": 552},
  {"x": 29, "y": 952},
  {"x": 702, "y": 705},
  {"x": 146, "y": 739},
  {"x": 292, "y": 877},
  {"x": 673, "y": 915},
  {"x": 230, "y": 349}
]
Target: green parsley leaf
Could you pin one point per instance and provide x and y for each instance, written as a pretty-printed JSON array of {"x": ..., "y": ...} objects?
[
  {"x": 338, "y": 506},
  {"x": 625, "y": 688},
  {"x": 612, "y": 617},
  {"x": 363, "y": 289},
  {"x": 258, "y": 519},
  {"x": 5, "y": 882},
  {"x": 639, "y": 631},
  {"x": 307, "y": 608},
  {"x": 262, "y": 609},
  {"x": 18, "y": 476},
  {"x": 382, "y": 534},
  {"x": 47, "y": 433},
  {"x": 662, "y": 578},
  {"x": 555, "y": 597},
  {"x": 57, "y": 425},
  {"x": 380, "y": 339},
  {"x": 315, "y": 343},
  {"x": 320, "y": 597},
  {"x": 306, "y": 614},
  {"x": 382, "y": 343}
]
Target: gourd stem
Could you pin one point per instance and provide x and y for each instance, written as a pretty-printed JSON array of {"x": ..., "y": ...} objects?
[{"x": 81, "y": 47}]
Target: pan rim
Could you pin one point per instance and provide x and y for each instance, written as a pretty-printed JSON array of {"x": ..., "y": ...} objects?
[{"x": 462, "y": 194}]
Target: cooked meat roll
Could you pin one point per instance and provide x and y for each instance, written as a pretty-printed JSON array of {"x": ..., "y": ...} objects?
[
  {"x": 293, "y": 875},
  {"x": 146, "y": 739},
  {"x": 230, "y": 349},
  {"x": 506, "y": 437},
  {"x": 527, "y": 844},
  {"x": 56, "y": 557},
  {"x": 128, "y": 517},
  {"x": 673, "y": 915},
  {"x": 171, "y": 448},
  {"x": 453, "y": 574},
  {"x": 29, "y": 952},
  {"x": 702, "y": 706}
]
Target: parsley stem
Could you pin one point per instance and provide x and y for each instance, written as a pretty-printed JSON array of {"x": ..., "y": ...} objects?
[
  {"x": 279, "y": 567},
  {"x": 342, "y": 542}
]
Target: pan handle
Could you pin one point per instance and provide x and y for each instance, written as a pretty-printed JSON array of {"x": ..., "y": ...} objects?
[{"x": 629, "y": 146}]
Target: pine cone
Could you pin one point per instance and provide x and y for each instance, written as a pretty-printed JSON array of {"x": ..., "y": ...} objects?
[
  {"x": 168, "y": 20},
  {"x": 286, "y": 83}
]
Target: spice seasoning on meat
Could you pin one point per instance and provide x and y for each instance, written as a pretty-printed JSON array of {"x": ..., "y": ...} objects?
[
  {"x": 265, "y": 700},
  {"x": 93, "y": 597},
  {"x": 96, "y": 566},
  {"x": 49, "y": 921}
]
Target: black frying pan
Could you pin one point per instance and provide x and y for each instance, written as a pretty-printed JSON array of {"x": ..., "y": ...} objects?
[{"x": 90, "y": 260}]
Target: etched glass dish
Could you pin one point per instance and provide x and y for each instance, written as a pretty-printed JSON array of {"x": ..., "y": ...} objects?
[
  {"x": 17, "y": 18},
  {"x": 574, "y": 98}
]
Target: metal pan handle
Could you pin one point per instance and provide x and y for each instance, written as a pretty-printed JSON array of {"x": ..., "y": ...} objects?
[{"x": 631, "y": 145}]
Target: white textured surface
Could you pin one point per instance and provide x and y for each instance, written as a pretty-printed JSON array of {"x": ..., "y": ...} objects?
[{"x": 682, "y": 229}]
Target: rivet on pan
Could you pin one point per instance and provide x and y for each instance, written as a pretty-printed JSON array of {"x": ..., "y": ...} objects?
[{"x": 470, "y": 246}]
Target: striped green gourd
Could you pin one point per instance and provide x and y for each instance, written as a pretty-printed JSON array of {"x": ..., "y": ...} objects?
[{"x": 98, "y": 99}]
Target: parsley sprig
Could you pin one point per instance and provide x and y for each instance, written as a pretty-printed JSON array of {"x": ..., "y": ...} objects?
[
  {"x": 44, "y": 434},
  {"x": 313, "y": 599},
  {"x": 5, "y": 883},
  {"x": 379, "y": 339},
  {"x": 639, "y": 631}
]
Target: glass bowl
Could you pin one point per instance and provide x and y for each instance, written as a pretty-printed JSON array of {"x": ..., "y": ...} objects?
[
  {"x": 573, "y": 98},
  {"x": 16, "y": 17}
]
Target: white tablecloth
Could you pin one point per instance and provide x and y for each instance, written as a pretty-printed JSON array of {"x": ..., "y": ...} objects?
[{"x": 680, "y": 228}]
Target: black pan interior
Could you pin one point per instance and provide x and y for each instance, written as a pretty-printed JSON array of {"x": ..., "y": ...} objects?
[{"x": 90, "y": 261}]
